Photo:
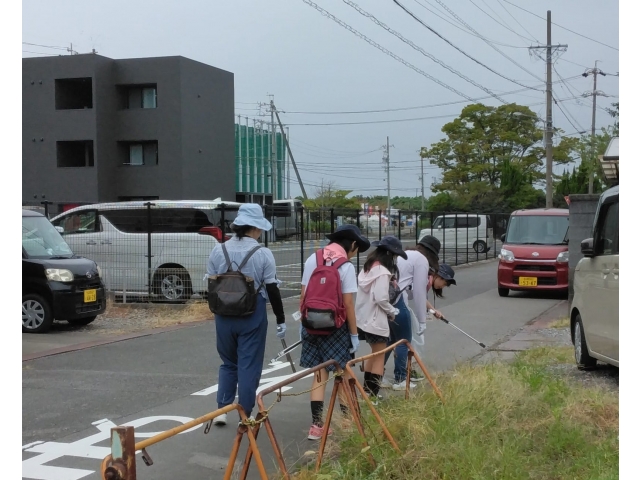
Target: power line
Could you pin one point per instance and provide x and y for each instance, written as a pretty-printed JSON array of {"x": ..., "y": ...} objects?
[
  {"x": 398, "y": 109},
  {"x": 499, "y": 23},
  {"x": 564, "y": 28},
  {"x": 457, "y": 48},
  {"x": 382, "y": 49},
  {"x": 464, "y": 29},
  {"x": 502, "y": 24},
  {"x": 565, "y": 115},
  {"x": 66, "y": 49},
  {"x": 487, "y": 42},
  {"x": 419, "y": 49},
  {"x": 523, "y": 27},
  {"x": 41, "y": 53}
]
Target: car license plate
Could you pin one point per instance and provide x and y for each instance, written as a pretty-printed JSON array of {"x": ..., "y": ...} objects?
[
  {"x": 528, "y": 281},
  {"x": 90, "y": 296}
]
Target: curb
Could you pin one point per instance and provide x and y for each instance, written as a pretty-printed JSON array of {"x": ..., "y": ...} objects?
[{"x": 120, "y": 338}]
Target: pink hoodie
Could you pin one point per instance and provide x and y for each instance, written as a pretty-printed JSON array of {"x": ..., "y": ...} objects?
[{"x": 372, "y": 301}]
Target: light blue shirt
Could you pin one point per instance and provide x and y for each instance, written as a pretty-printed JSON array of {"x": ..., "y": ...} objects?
[{"x": 261, "y": 266}]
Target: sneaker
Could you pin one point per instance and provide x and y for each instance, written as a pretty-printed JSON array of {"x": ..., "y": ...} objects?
[
  {"x": 220, "y": 420},
  {"x": 417, "y": 376},
  {"x": 315, "y": 432},
  {"x": 385, "y": 383},
  {"x": 403, "y": 385}
]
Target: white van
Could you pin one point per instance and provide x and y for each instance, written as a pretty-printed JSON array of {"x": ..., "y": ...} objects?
[
  {"x": 595, "y": 308},
  {"x": 462, "y": 230},
  {"x": 116, "y": 236}
]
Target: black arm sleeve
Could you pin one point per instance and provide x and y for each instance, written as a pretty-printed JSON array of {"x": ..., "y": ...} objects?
[{"x": 276, "y": 301}]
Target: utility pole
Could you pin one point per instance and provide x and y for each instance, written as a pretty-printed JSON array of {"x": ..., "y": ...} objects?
[
  {"x": 286, "y": 139},
  {"x": 422, "y": 180},
  {"x": 549, "y": 120},
  {"x": 386, "y": 157},
  {"x": 273, "y": 153},
  {"x": 595, "y": 72}
]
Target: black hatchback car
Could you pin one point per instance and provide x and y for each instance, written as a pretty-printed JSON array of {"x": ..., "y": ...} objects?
[{"x": 56, "y": 284}]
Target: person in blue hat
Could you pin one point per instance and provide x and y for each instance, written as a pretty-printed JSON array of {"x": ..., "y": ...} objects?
[
  {"x": 241, "y": 340},
  {"x": 341, "y": 345}
]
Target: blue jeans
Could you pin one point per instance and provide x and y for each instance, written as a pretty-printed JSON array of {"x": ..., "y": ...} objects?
[
  {"x": 400, "y": 329},
  {"x": 241, "y": 344}
]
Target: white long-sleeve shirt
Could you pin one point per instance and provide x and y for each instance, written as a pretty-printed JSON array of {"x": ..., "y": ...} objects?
[{"x": 415, "y": 271}]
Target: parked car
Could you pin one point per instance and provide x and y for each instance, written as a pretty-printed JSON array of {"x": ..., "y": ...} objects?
[
  {"x": 56, "y": 284},
  {"x": 286, "y": 217},
  {"x": 462, "y": 231},
  {"x": 595, "y": 305},
  {"x": 161, "y": 251},
  {"x": 535, "y": 251}
]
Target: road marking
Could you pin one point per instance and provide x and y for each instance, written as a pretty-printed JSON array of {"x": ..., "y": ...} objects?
[
  {"x": 35, "y": 468},
  {"x": 272, "y": 368}
]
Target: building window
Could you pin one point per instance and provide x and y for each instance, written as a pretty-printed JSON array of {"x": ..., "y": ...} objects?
[
  {"x": 139, "y": 96},
  {"x": 139, "y": 153},
  {"x": 74, "y": 93},
  {"x": 75, "y": 153}
]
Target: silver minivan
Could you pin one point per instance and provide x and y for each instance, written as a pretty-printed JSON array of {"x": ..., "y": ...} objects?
[{"x": 595, "y": 305}]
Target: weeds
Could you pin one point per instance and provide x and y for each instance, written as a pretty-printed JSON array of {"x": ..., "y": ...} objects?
[{"x": 514, "y": 421}]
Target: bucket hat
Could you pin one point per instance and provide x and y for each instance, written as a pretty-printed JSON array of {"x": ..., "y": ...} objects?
[
  {"x": 251, "y": 214},
  {"x": 447, "y": 273},
  {"x": 431, "y": 243},
  {"x": 350, "y": 232},
  {"x": 391, "y": 244}
]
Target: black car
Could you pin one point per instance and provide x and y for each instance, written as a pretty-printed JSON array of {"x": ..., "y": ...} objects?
[{"x": 56, "y": 284}]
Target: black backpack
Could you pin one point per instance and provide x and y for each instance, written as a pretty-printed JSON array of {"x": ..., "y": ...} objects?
[{"x": 233, "y": 294}]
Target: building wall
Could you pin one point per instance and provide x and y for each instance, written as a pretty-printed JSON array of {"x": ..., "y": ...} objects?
[
  {"x": 207, "y": 99},
  {"x": 42, "y": 122},
  {"x": 192, "y": 123},
  {"x": 162, "y": 124}
]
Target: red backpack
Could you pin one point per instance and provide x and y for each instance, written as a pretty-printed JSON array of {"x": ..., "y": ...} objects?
[{"x": 323, "y": 311}]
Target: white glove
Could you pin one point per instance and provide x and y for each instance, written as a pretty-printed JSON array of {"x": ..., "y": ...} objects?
[
  {"x": 281, "y": 330},
  {"x": 355, "y": 343},
  {"x": 422, "y": 327}
]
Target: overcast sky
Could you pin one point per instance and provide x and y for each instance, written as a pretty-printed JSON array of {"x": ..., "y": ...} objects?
[{"x": 312, "y": 64}]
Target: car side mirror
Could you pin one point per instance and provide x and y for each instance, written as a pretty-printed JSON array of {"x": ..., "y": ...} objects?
[
  {"x": 586, "y": 247},
  {"x": 59, "y": 229},
  {"x": 503, "y": 237}
]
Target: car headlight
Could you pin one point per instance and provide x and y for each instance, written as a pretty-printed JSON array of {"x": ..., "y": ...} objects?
[
  {"x": 563, "y": 257},
  {"x": 59, "y": 275},
  {"x": 506, "y": 255},
  {"x": 99, "y": 270}
]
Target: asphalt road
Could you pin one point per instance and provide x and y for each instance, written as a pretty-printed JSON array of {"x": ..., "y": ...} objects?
[{"x": 71, "y": 400}]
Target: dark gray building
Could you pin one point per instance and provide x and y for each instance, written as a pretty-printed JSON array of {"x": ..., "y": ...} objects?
[{"x": 96, "y": 129}]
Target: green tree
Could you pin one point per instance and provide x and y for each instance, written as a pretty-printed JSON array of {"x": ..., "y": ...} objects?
[
  {"x": 329, "y": 196},
  {"x": 478, "y": 143}
]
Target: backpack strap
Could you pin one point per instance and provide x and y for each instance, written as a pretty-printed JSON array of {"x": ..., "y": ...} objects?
[
  {"x": 226, "y": 257},
  {"x": 249, "y": 255}
]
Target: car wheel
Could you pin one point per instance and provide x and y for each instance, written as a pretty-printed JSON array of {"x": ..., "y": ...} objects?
[
  {"x": 37, "y": 316},
  {"x": 503, "y": 292},
  {"x": 172, "y": 285},
  {"x": 82, "y": 321},
  {"x": 480, "y": 246},
  {"x": 581, "y": 352}
]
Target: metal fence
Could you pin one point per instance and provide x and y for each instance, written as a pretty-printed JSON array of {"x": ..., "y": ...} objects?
[{"x": 158, "y": 251}]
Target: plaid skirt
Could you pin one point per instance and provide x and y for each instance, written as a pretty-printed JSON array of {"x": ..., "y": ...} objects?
[
  {"x": 317, "y": 349},
  {"x": 371, "y": 337}
]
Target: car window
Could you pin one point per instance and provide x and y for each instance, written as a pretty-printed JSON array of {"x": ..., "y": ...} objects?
[
  {"x": 607, "y": 232},
  {"x": 128, "y": 220},
  {"x": 464, "y": 221},
  {"x": 449, "y": 222},
  {"x": 78, "y": 222}
]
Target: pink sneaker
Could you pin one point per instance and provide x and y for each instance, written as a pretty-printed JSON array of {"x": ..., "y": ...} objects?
[{"x": 315, "y": 432}]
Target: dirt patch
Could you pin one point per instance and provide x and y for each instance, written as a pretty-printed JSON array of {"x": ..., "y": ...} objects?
[{"x": 122, "y": 319}]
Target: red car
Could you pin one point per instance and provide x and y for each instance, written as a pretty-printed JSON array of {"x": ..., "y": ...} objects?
[{"x": 535, "y": 251}]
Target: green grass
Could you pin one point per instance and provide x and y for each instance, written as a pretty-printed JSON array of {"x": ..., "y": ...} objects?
[
  {"x": 500, "y": 421},
  {"x": 560, "y": 323}
]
